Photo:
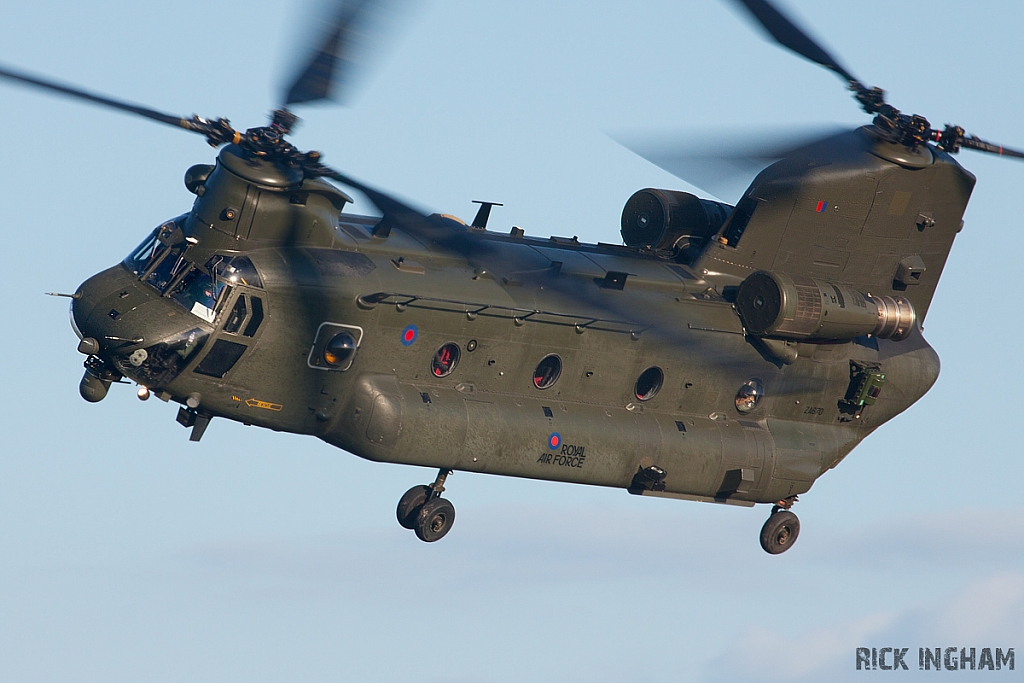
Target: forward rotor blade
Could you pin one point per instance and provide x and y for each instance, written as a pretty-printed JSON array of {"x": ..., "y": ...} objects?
[
  {"x": 80, "y": 94},
  {"x": 446, "y": 236},
  {"x": 789, "y": 35},
  {"x": 353, "y": 28},
  {"x": 392, "y": 209},
  {"x": 449, "y": 237}
]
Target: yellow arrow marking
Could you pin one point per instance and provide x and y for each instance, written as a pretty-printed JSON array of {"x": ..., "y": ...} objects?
[{"x": 266, "y": 405}]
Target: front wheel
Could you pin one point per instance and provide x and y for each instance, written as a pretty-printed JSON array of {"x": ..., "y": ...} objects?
[
  {"x": 435, "y": 519},
  {"x": 779, "y": 533}
]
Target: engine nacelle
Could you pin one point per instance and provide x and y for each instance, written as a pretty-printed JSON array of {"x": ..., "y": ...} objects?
[
  {"x": 798, "y": 307},
  {"x": 670, "y": 222}
]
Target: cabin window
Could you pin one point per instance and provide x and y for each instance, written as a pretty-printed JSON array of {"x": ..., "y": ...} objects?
[
  {"x": 334, "y": 347},
  {"x": 749, "y": 395},
  {"x": 340, "y": 349},
  {"x": 221, "y": 358},
  {"x": 445, "y": 360},
  {"x": 236, "y": 317},
  {"x": 649, "y": 383},
  {"x": 257, "y": 316},
  {"x": 547, "y": 371}
]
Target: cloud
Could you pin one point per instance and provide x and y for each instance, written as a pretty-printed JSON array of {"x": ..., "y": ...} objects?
[
  {"x": 988, "y": 612},
  {"x": 777, "y": 653},
  {"x": 959, "y": 539}
]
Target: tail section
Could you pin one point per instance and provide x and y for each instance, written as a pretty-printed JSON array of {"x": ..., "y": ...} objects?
[{"x": 852, "y": 209}]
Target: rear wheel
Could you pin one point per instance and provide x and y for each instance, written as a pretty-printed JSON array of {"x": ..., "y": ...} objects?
[
  {"x": 409, "y": 505},
  {"x": 780, "y": 531}
]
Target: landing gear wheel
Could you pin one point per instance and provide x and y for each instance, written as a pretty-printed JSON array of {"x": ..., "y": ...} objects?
[
  {"x": 780, "y": 531},
  {"x": 435, "y": 519},
  {"x": 410, "y": 504}
]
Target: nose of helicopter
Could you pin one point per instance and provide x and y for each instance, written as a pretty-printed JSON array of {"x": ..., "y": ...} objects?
[
  {"x": 97, "y": 317},
  {"x": 104, "y": 304},
  {"x": 117, "y": 318}
]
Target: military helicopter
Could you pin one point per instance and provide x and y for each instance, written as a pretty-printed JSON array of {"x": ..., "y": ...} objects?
[{"x": 726, "y": 354}]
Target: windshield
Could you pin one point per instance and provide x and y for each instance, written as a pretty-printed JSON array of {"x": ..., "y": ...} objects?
[
  {"x": 165, "y": 241},
  {"x": 162, "y": 262},
  {"x": 199, "y": 294},
  {"x": 139, "y": 259}
]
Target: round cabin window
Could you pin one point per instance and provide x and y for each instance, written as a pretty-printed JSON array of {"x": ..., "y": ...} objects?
[
  {"x": 547, "y": 371},
  {"x": 445, "y": 360},
  {"x": 749, "y": 395},
  {"x": 339, "y": 349},
  {"x": 649, "y": 383}
]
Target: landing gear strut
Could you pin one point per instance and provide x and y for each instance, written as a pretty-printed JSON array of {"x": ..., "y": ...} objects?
[
  {"x": 423, "y": 510},
  {"x": 779, "y": 533}
]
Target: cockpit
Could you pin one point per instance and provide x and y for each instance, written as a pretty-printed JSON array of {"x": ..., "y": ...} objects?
[
  {"x": 217, "y": 290},
  {"x": 162, "y": 262}
]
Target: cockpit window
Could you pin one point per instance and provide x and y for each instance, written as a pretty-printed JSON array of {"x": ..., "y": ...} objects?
[
  {"x": 139, "y": 259},
  {"x": 238, "y": 270},
  {"x": 166, "y": 267},
  {"x": 165, "y": 241},
  {"x": 199, "y": 294},
  {"x": 162, "y": 262}
]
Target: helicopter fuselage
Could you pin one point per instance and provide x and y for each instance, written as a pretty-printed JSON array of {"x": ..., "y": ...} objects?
[{"x": 539, "y": 358}]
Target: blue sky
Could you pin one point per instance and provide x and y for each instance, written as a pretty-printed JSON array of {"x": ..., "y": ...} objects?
[{"x": 128, "y": 553}]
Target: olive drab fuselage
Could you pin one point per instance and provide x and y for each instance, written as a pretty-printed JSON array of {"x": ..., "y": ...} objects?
[{"x": 732, "y": 417}]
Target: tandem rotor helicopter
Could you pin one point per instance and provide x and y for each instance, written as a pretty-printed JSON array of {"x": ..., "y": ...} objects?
[{"x": 727, "y": 354}]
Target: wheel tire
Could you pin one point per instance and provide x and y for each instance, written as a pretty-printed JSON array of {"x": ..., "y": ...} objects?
[
  {"x": 779, "y": 533},
  {"x": 409, "y": 505},
  {"x": 435, "y": 519}
]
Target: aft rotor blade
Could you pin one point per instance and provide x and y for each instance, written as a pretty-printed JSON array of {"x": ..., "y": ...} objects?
[
  {"x": 80, "y": 94},
  {"x": 982, "y": 146},
  {"x": 722, "y": 162},
  {"x": 789, "y": 35},
  {"x": 349, "y": 33}
]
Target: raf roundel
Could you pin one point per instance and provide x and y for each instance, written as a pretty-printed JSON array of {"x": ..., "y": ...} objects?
[
  {"x": 554, "y": 441},
  {"x": 409, "y": 335}
]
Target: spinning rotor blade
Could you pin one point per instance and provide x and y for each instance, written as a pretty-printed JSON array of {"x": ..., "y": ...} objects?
[
  {"x": 95, "y": 99},
  {"x": 217, "y": 132},
  {"x": 896, "y": 126},
  {"x": 953, "y": 139},
  {"x": 391, "y": 208},
  {"x": 347, "y": 35},
  {"x": 789, "y": 35},
  {"x": 447, "y": 236},
  {"x": 982, "y": 146},
  {"x": 722, "y": 162}
]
